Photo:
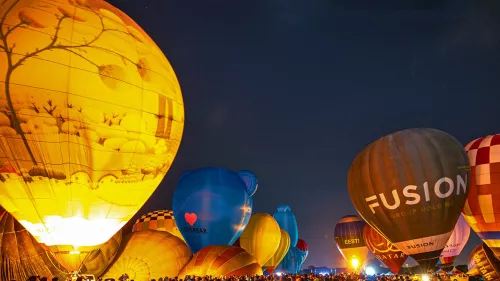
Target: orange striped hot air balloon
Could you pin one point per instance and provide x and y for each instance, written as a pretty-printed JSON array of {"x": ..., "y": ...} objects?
[
  {"x": 221, "y": 261},
  {"x": 482, "y": 209},
  {"x": 280, "y": 254}
]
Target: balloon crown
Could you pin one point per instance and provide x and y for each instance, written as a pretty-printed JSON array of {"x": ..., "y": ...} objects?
[{"x": 284, "y": 208}]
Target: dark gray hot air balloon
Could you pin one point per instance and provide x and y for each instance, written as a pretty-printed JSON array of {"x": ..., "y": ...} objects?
[{"x": 411, "y": 187}]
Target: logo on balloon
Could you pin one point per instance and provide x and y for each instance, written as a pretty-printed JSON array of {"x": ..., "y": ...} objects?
[
  {"x": 443, "y": 188},
  {"x": 190, "y": 218}
]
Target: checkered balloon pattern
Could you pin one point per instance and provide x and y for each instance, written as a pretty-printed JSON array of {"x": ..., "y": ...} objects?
[
  {"x": 482, "y": 209},
  {"x": 162, "y": 220}
]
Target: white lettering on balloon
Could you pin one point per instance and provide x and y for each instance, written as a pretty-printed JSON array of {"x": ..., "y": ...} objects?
[{"x": 443, "y": 188}]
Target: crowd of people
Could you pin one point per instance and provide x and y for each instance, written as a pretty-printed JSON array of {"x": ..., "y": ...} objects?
[{"x": 276, "y": 277}]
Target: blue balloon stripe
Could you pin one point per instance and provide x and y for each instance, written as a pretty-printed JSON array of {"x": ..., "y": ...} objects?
[{"x": 489, "y": 235}]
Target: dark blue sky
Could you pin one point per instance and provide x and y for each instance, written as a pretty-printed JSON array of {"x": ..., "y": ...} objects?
[{"x": 294, "y": 89}]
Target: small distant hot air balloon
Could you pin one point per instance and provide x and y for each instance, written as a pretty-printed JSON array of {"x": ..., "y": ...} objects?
[
  {"x": 383, "y": 250},
  {"x": 280, "y": 253},
  {"x": 261, "y": 237},
  {"x": 304, "y": 250},
  {"x": 483, "y": 203},
  {"x": 456, "y": 243},
  {"x": 221, "y": 261},
  {"x": 160, "y": 220},
  {"x": 286, "y": 220},
  {"x": 349, "y": 238},
  {"x": 486, "y": 264},
  {"x": 411, "y": 187},
  {"x": 212, "y": 206}
]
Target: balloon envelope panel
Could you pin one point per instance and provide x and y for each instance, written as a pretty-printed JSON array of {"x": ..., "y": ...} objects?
[
  {"x": 221, "y": 261},
  {"x": 482, "y": 207},
  {"x": 92, "y": 119},
  {"x": 292, "y": 261},
  {"x": 211, "y": 207},
  {"x": 20, "y": 255},
  {"x": 485, "y": 263},
  {"x": 261, "y": 237},
  {"x": 150, "y": 254},
  {"x": 457, "y": 241},
  {"x": 280, "y": 253},
  {"x": 383, "y": 250},
  {"x": 160, "y": 220},
  {"x": 286, "y": 220},
  {"x": 411, "y": 187}
]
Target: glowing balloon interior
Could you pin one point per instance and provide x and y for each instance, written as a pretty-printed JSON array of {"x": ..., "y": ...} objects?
[{"x": 92, "y": 119}]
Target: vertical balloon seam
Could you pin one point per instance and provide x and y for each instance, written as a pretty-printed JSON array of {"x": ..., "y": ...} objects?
[{"x": 442, "y": 169}]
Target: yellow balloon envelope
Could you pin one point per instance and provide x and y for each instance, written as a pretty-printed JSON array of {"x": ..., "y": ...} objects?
[
  {"x": 92, "y": 118},
  {"x": 278, "y": 256},
  {"x": 261, "y": 237},
  {"x": 150, "y": 254}
]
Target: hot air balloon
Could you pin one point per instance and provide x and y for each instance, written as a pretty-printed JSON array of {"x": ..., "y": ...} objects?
[
  {"x": 291, "y": 262},
  {"x": 221, "y": 261},
  {"x": 410, "y": 186},
  {"x": 150, "y": 254},
  {"x": 286, "y": 220},
  {"x": 486, "y": 264},
  {"x": 349, "y": 238},
  {"x": 93, "y": 118},
  {"x": 261, "y": 237},
  {"x": 211, "y": 207},
  {"x": 383, "y": 250},
  {"x": 481, "y": 208},
  {"x": 456, "y": 243},
  {"x": 20, "y": 255},
  {"x": 160, "y": 220},
  {"x": 278, "y": 256},
  {"x": 304, "y": 250}
]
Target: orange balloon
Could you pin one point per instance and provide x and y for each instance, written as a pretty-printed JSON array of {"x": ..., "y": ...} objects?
[{"x": 221, "y": 261}]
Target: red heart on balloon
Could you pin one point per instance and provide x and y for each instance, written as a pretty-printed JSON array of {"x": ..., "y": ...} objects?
[{"x": 190, "y": 218}]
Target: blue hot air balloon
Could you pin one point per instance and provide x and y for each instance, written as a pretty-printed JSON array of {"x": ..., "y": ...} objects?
[
  {"x": 292, "y": 261},
  {"x": 212, "y": 206},
  {"x": 286, "y": 220}
]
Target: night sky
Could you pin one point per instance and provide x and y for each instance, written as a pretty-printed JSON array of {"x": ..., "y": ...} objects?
[{"x": 293, "y": 89}]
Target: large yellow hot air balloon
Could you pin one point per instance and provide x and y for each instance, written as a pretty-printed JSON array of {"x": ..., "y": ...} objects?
[
  {"x": 92, "y": 117},
  {"x": 150, "y": 254},
  {"x": 261, "y": 237},
  {"x": 221, "y": 261},
  {"x": 278, "y": 256}
]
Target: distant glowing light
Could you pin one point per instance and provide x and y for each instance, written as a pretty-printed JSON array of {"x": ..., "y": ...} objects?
[
  {"x": 425, "y": 278},
  {"x": 355, "y": 263},
  {"x": 370, "y": 271},
  {"x": 278, "y": 273}
]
